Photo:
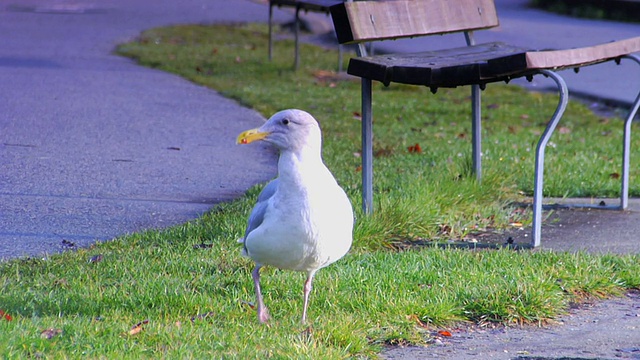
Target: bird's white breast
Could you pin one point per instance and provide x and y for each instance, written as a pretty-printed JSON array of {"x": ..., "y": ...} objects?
[{"x": 308, "y": 224}]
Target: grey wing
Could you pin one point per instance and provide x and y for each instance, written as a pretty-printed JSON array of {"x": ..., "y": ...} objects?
[{"x": 257, "y": 214}]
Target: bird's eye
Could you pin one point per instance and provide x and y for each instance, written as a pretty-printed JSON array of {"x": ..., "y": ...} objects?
[{"x": 285, "y": 121}]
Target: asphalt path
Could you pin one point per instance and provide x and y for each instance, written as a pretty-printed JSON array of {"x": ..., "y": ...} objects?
[{"x": 93, "y": 146}]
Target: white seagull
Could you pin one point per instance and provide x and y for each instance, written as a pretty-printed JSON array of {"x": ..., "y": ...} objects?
[{"x": 303, "y": 220}]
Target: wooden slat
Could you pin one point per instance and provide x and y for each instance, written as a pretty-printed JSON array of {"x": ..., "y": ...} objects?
[
  {"x": 360, "y": 21},
  {"x": 561, "y": 59}
]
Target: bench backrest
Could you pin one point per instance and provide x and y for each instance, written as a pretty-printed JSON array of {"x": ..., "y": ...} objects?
[{"x": 360, "y": 21}]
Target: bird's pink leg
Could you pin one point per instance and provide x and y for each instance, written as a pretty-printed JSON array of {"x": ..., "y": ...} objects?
[
  {"x": 307, "y": 291},
  {"x": 263, "y": 314}
]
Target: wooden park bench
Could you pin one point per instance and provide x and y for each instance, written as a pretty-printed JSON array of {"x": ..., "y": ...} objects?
[{"x": 475, "y": 65}]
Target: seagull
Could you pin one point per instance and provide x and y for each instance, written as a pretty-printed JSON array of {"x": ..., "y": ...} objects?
[{"x": 302, "y": 220}]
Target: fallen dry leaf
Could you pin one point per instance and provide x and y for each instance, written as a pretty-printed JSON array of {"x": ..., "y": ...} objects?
[
  {"x": 564, "y": 130},
  {"x": 137, "y": 327},
  {"x": 614, "y": 175},
  {"x": 415, "y": 149},
  {"x": 444, "y": 333},
  {"x": 5, "y": 316}
]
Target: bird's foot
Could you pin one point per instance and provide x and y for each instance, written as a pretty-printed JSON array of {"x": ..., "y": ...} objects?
[{"x": 263, "y": 315}]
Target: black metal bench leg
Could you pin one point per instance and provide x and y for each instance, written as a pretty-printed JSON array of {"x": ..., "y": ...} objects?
[
  {"x": 542, "y": 143},
  {"x": 476, "y": 131},
  {"x": 367, "y": 147},
  {"x": 626, "y": 145},
  {"x": 476, "y": 119}
]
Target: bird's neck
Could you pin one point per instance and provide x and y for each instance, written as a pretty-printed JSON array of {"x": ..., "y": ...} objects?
[{"x": 301, "y": 166}]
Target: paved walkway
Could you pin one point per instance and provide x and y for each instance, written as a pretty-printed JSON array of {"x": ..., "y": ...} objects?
[{"x": 93, "y": 146}]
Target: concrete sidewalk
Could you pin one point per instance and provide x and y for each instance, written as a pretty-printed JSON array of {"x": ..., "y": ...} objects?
[{"x": 93, "y": 146}]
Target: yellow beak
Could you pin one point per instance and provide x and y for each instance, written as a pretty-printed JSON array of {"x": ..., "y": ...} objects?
[{"x": 250, "y": 136}]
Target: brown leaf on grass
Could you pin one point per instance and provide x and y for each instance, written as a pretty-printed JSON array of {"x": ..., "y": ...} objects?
[
  {"x": 524, "y": 116},
  {"x": 415, "y": 149},
  {"x": 462, "y": 136},
  {"x": 357, "y": 116},
  {"x": 138, "y": 327},
  {"x": 358, "y": 168},
  {"x": 4, "y": 315},
  {"x": 50, "y": 333},
  {"x": 614, "y": 175},
  {"x": 564, "y": 130}
]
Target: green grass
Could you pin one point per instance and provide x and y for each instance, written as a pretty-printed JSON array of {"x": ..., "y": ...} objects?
[{"x": 374, "y": 296}]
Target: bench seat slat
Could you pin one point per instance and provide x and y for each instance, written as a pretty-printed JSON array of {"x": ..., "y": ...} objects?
[
  {"x": 442, "y": 68},
  {"x": 562, "y": 59}
]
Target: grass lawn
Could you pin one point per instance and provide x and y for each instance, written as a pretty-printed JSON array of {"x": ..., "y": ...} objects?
[{"x": 185, "y": 292}]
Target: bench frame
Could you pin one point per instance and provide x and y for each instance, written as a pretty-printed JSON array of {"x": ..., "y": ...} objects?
[
  {"x": 320, "y": 6},
  {"x": 364, "y": 21}
]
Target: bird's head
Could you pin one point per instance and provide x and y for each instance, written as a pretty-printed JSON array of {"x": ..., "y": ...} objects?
[{"x": 290, "y": 129}]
